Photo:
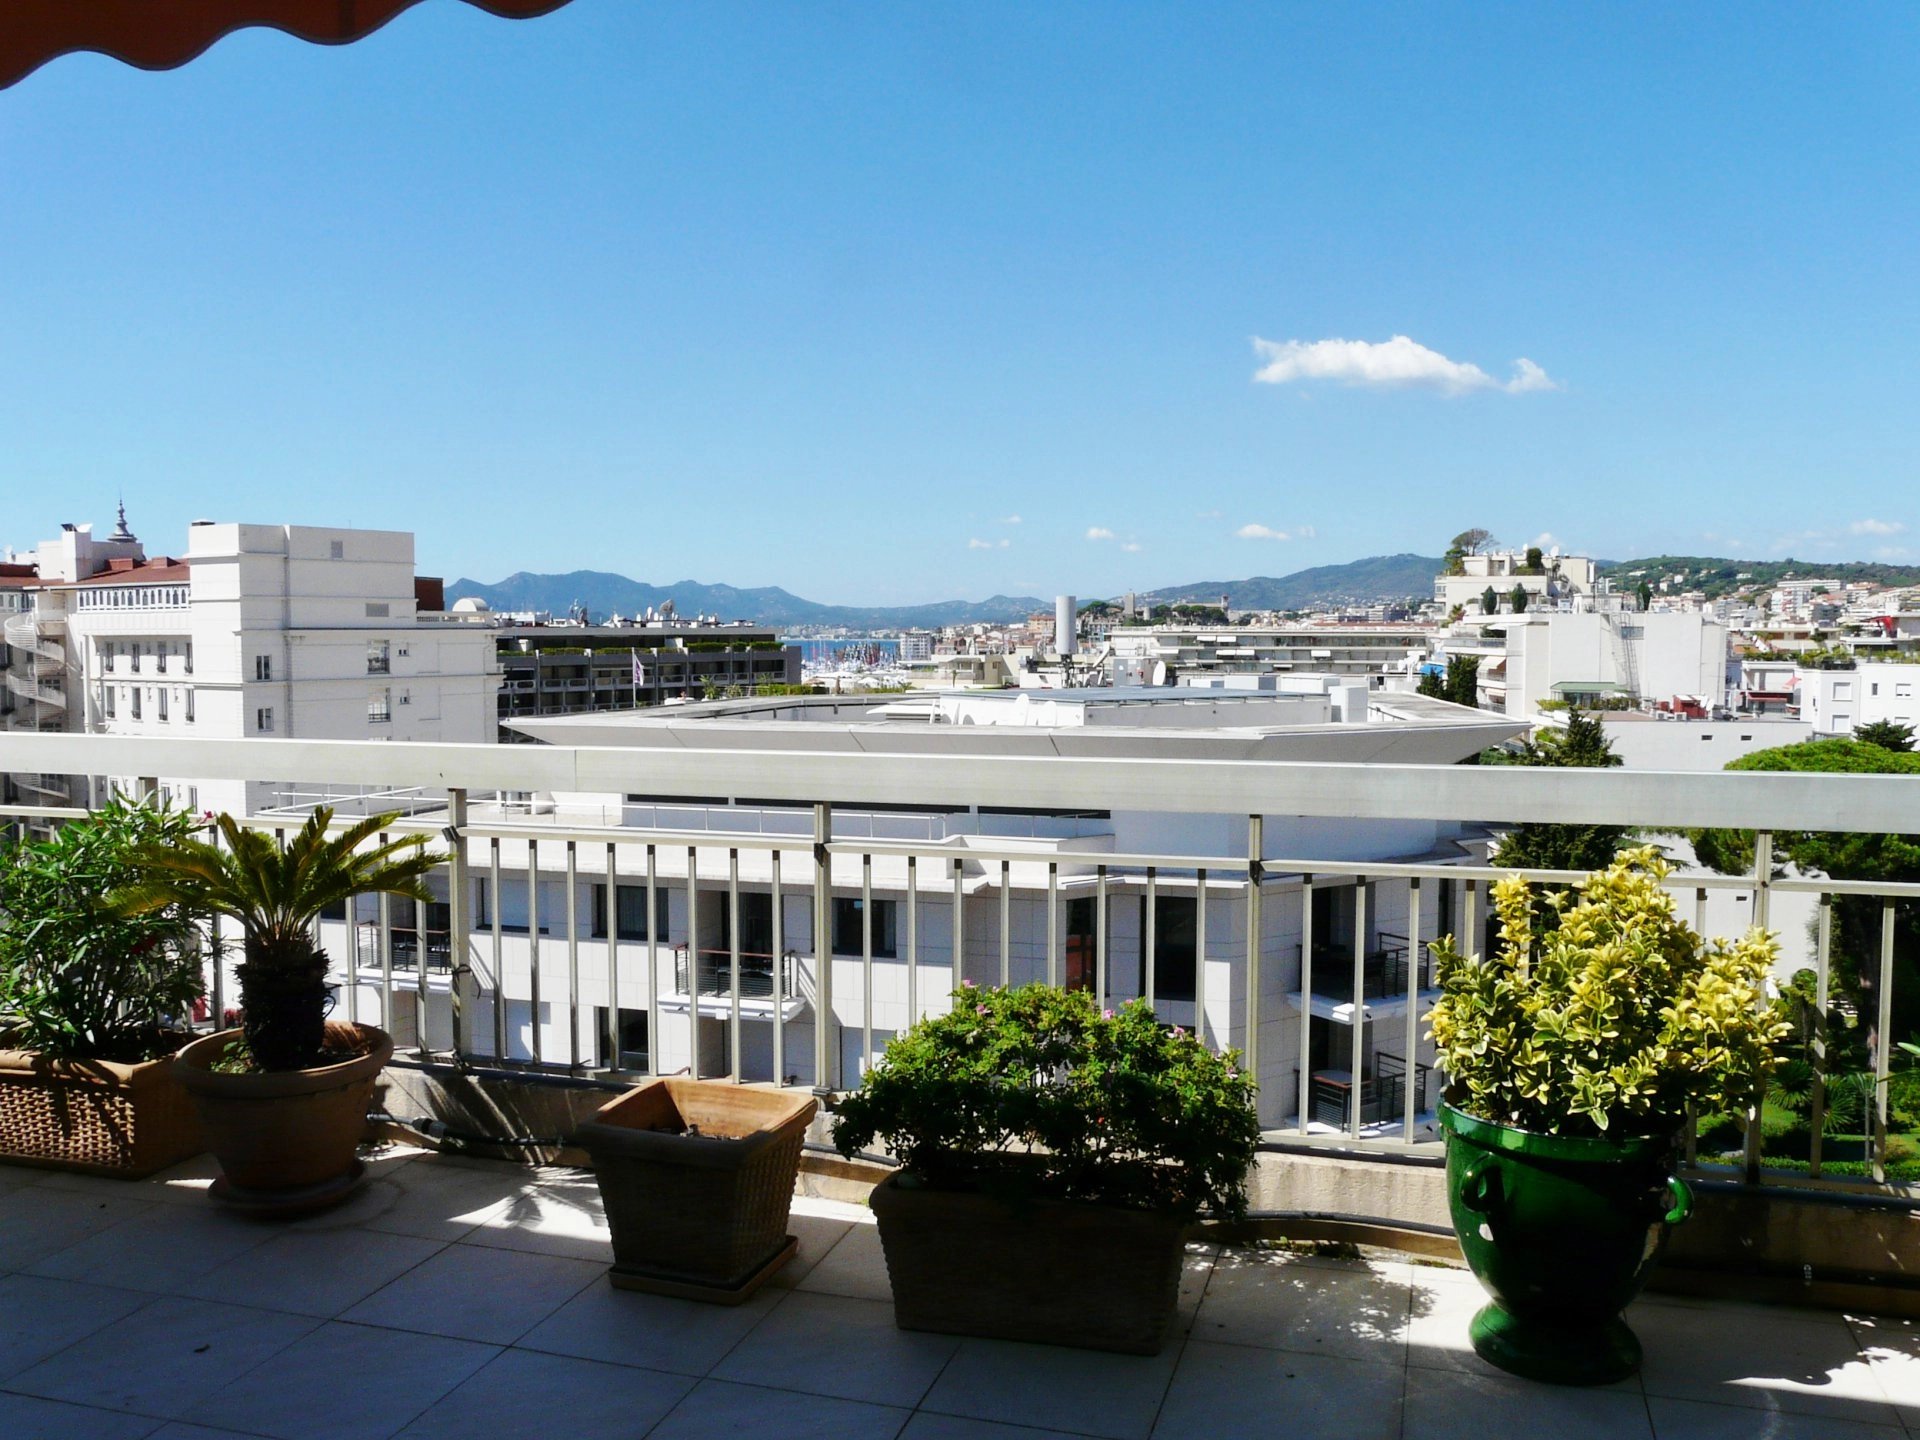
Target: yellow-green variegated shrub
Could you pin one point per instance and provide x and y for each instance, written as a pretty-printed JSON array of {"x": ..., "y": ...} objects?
[{"x": 1603, "y": 1013}]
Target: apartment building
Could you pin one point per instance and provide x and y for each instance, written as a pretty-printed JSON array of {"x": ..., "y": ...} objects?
[
  {"x": 1587, "y": 655},
  {"x": 1837, "y": 702},
  {"x": 271, "y": 631},
  {"x": 1146, "y": 655},
  {"x": 567, "y": 669},
  {"x": 1557, "y": 578},
  {"x": 649, "y": 926}
]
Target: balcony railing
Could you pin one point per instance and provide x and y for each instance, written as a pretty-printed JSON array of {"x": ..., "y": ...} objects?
[
  {"x": 540, "y": 1000},
  {"x": 403, "y": 947},
  {"x": 713, "y": 974},
  {"x": 1384, "y": 968},
  {"x": 1383, "y": 1093}
]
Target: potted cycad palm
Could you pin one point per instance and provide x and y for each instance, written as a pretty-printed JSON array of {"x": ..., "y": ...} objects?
[
  {"x": 93, "y": 1004},
  {"x": 284, "y": 1096},
  {"x": 1051, "y": 1159},
  {"x": 1572, "y": 1056}
]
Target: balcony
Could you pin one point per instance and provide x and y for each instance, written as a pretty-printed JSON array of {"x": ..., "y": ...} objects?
[
  {"x": 705, "y": 978},
  {"x": 465, "y": 1297},
  {"x": 403, "y": 948}
]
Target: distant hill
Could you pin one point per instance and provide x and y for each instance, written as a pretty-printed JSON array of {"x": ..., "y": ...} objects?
[
  {"x": 1376, "y": 578},
  {"x": 1715, "y": 576},
  {"x": 606, "y": 594}
]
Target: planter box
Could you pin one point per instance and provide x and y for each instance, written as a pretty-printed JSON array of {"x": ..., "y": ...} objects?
[
  {"x": 1057, "y": 1272},
  {"x": 702, "y": 1215},
  {"x": 94, "y": 1115}
]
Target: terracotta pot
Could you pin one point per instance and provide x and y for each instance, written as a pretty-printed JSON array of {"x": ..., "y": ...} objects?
[
  {"x": 702, "y": 1215},
  {"x": 286, "y": 1139},
  {"x": 1095, "y": 1277},
  {"x": 95, "y": 1115}
]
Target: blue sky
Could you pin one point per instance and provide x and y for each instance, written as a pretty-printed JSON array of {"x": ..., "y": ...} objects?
[{"x": 826, "y": 296}]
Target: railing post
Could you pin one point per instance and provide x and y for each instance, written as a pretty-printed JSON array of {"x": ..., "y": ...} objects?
[
  {"x": 459, "y": 920},
  {"x": 1250, "y": 1042},
  {"x": 823, "y": 1067},
  {"x": 1762, "y": 909}
]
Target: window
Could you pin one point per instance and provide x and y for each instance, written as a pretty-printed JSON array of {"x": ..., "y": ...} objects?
[
  {"x": 378, "y": 661},
  {"x": 630, "y": 1038},
  {"x": 263, "y": 719},
  {"x": 379, "y": 707},
  {"x": 1175, "y": 947},
  {"x": 849, "y": 922},
  {"x": 133, "y": 698},
  {"x": 1903, "y": 689},
  {"x": 630, "y": 906},
  {"x": 376, "y": 609},
  {"x": 336, "y": 549},
  {"x": 262, "y": 667},
  {"x": 1843, "y": 690},
  {"x": 188, "y": 717},
  {"x": 160, "y": 703},
  {"x": 513, "y": 906},
  {"x": 186, "y": 658},
  {"x": 160, "y": 658},
  {"x": 106, "y": 699}
]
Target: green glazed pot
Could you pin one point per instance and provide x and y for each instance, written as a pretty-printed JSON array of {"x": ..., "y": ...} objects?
[{"x": 1561, "y": 1231}]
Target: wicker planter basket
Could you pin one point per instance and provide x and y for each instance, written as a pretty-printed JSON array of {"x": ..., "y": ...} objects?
[
  {"x": 94, "y": 1115},
  {"x": 701, "y": 1215},
  {"x": 1052, "y": 1271}
]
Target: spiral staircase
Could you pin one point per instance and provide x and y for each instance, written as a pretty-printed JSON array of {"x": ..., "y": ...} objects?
[{"x": 35, "y": 684}]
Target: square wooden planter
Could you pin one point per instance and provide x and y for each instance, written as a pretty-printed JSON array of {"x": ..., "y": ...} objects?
[
  {"x": 697, "y": 1178},
  {"x": 1057, "y": 1272},
  {"x": 95, "y": 1115}
]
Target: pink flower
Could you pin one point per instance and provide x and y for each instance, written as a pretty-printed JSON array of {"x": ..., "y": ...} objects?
[
  {"x": 980, "y": 1009},
  {"x": 966, "y": 984},
  {"x": 1180, "y": 1030},
  {"x": 1106, "y": 1014}
]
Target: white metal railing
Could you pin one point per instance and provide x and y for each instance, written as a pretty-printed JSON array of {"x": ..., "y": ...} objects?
[{"x": 546, "y": 966}]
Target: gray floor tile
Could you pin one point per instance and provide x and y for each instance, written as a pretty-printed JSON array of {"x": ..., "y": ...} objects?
[
  {"x": 925, "y": 1426},
  {"x": 165, "y": 1359},
  {"x": 313, "y": 1273},
  {"x": 24, "y": 1417},
  {"x": 1053, "y": 1386},
  {"x": 159, "y": 1250},
  {"x": 818, "y": 1236},
  {"x": 561, "y": 1215},
  {"x": 718, "y": 1410},
  {"x": 521, "y": 1393},
  {"x": 343, "y": 1382},
  {"x": 1279, "y": 1302},
  {"x": 184, "y": 1184},
  {"x": 37, "y": 1221},
  {"x": 473, "y": 1293},
  {"x": 1455, "y": 1405},
  {"x": 856, "y": 1267},
  {"x": 423, "y": 1197},
  {"x": 41, "y": 1317},
  {"x": 1234, "y": 1390},
  {"x": 834, "y": 1345},
  {"x": 1699, "y": 1420},
  {"x": 625, "y": 1328},
  {"x": 1793, "y": 1361},
  {"x": 1892, "y": 1348}
]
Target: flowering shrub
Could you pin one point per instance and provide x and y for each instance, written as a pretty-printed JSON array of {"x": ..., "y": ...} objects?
[
  {"x": 1611, "y": 1017},
  {"x": 1036, "y": 1092}
]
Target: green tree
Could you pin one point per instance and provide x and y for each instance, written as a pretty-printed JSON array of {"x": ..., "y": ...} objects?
[
  {"x": 1885, "y": 734},
  {"x": 1844, "y": 856},
  {"x": 1463, "y": 680},
  {"x": 1489, "y": 601},
  {"x": 1473, "y": 542},
  {"x": 1518, "y": 600},
  {"x": 1643, "y": 592},
  {"x": 1536, "y": 561},
  {"x": 1432, "y": 683},
  {"x": 1541, "y": 845}
]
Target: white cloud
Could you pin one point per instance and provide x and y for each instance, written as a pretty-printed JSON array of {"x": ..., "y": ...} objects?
[
  {"x": 1099, "y": 532},
  {"x": 1207, "y": 515},
  {"x": 1875, "y": 527},
  {"x": 1303, "y": 532},
  {"x": 1400, "y": 363},
  {"x": 1260, "y": 532},
  {"x": 1545, "y": 540},
  {"x": 1010, "y": 520},
  {"x": 1133, "y": 547},
  {"x": 987, "y": 544}
]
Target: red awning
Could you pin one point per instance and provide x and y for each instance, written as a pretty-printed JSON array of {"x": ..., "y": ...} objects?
[{"x": 160, "y": 34}]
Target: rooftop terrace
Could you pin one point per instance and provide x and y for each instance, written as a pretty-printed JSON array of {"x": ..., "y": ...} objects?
[{"x": 466, "y": 1298}]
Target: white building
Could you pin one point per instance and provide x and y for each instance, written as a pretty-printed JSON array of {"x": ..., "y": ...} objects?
[
  {"x": 259, "y": 630},
  {"x": 989, "y": 894},
  {"x": 1140, "y": 653},
  {"x": 1837, "y": 702},
  {"x": 1660, "y": 656},
  {"x": 1569, "y": 578}
]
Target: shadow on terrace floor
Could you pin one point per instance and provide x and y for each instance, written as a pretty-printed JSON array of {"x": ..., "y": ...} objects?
[{"x": 467, "y": 1299}]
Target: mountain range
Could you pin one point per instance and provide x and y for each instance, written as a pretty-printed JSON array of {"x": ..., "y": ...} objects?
[{"x": 1380, "y": 577}]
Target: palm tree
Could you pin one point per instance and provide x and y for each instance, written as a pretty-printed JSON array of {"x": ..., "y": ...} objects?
[{"x": 275, "y": 892}]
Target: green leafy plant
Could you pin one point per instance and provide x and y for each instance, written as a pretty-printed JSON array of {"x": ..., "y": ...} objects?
[
  {"x": 275, "y": 892},
  {"x": 1607, "y": 1017},
  {"x": 1549, "y": 845},
  {"x": 78, "y": 980},
  {"x": 1036, "y": 1092}
]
